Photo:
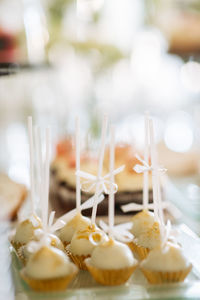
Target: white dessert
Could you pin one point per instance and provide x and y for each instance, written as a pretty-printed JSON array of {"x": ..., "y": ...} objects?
[
  {"x": 54, "y": 240},
  {"x": 142, "y": 222},
  {"x": 112, "y": 255},
  {"x": 81, "y": 243},
  {"x": 26, "y": 229},
  {"x": 167, "y": 258},
  {"x": 150, "y": 238},
  {"x": 48, "y": 262},
  {"x": 79, "y": 222}
]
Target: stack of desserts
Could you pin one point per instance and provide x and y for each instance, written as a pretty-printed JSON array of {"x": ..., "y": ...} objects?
[{"x": 62, "y": 187}]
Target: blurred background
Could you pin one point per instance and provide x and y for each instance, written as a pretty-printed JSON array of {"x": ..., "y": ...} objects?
[{"x": 87, "y": 57}]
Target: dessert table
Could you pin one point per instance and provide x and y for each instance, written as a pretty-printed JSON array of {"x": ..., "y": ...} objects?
[{"x": 84, "y": 287}]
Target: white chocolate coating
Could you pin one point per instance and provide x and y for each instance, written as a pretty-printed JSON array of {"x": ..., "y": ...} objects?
[
  {"x": 150, "y": 238},
  {"x": 112, "y": 255},
  {"x": 81, "y": 244},
  {"x": 142, "y": 222},
  {"x": 25, "y": 230},
  {"x": 55, "y": 242},
  {"x": 48, "y": 262},
  {"x": 168, "y": 258},
  {"x": 79, "y": 222}
]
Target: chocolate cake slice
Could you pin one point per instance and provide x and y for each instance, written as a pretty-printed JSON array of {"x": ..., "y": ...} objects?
[
  {"x": 63, "y": 180},
  {"x": 63, "y": 198}
]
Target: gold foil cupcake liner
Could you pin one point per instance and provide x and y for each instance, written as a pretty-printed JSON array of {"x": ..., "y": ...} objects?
[
  {"x": 158, "y": 277},
  {"x": 141, "y": 252},
  {"x": 131, "y": 246},
  {"x": 49, "y": 285},
  {"x": 16, "y": 245},
  {"x": 21, "y": 256},
  {"x": 79, "y": 260},
  {"x": 65, "y": 244},
  {"x": 110, "y": 277}
]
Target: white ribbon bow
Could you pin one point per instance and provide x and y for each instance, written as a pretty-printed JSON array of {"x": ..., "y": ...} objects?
[
  {"x": 42, "y": 235},
  {"x": 69, "y": 215},
  {"x": 141, "y": 169},
  {"x": 57, "y": 225},
  {"x": 101, "y": 235},
  {"x": 169, "y": 234},
  {"x": 166, "y": 233},
  {"x": 145, "y": 167},
  {"x": 51, "y": 228},
  {"x": 137, "y": 207},
  {"x": 103, "y": 181},
  {"x": 119, "y": 232},
  {"x": 44, "y": 240}
]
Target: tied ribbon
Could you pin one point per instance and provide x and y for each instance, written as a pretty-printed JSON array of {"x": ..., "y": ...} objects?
[
  {"x": 51, "y": 228},
  {"x": 42, "y": 236},
  {"x": 119, "y": 232},
  {"x": 104, "y": 183},
  {"x": 145, "y": 167},
  {"x": 57, "y": 225},
  {"x": 34, "y": 246},
  {"x": 101, "y": 237},
  {"x": 137, "y": 207},
  {"x": 166, "y": 232},
  {"x": 169, "y": 234},
  {"x": 87, "y": 204}
]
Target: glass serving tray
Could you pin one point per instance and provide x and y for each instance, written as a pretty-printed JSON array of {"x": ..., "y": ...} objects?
[{"x": 84, "y": 287}]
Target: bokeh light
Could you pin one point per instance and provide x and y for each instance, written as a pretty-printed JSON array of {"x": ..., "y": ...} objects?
[{"x": 178, "y": 134}]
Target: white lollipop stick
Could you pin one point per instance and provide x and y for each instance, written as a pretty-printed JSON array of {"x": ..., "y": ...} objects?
[
  {"x": 40, "y": 168},
  {"x": 51, "y": 218},
  {"x": 154, "y": 171},
  {"x": 31, "y": 150},
  {"x": 160, "y": 203},
  {"x": 37, "y": 172},
  {"x": 39, "y": 164},
  {"x": 101, "y": 156},
  {"x": 160, "y": 209},
  {"x": 156, "y": 180},
  {"x": 46, "y": 178},
  {"x": 111, "y": 206},
  {"x": 78, "y": 184},
  {"x": 146, "y": 159}
]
